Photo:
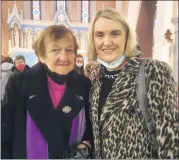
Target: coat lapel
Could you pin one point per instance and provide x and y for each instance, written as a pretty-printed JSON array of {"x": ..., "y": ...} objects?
[
  {"x": 71, "y": 98},
  {"x": 41, "y": 110},
  {"x": 71, "y": 104},
  {"x": 130, "y": 70},
  {"x": 72, "y": 109},
  {"x": 40, "y": 107},
  {"x": 94, "y": 103}
]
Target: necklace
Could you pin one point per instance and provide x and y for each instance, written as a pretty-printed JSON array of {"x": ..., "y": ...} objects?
[{"x": 113, "y": 76}]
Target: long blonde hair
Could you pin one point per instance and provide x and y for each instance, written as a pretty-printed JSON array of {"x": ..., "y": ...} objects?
[{"x": 119, "y": 18}]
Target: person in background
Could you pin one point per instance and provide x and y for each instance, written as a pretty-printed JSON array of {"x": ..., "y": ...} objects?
[
  {"x": 45, "y": 111},
  {"x": 6, "y": 72},
  {"x": 20, "y": 64},
  {"x": 79, "y": 67},
  {"x": 119, "y": 126}
]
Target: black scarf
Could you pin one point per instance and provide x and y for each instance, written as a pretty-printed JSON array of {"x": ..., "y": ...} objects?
[{"x": 60, "y": 79}]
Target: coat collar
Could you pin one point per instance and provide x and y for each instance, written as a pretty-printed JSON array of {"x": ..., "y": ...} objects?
[
  {"x": 131, "y": 69},
  {"x": 132, "y": 65},
  {"x": 35, "y": 80}
]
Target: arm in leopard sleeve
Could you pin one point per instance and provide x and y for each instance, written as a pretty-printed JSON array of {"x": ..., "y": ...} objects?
[{"x": 162, "y": 94}]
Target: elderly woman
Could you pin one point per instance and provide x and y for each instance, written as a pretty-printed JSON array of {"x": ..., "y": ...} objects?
[
  {"x": 45, "y": 110},
  {"x": 118, "y": 121}
]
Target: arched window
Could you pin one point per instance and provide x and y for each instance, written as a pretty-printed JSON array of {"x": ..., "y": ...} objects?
[
  {"x": 36, "y": 8},
  {"x": 63, "y": 3},
  {"x": 85, "y": 11}
]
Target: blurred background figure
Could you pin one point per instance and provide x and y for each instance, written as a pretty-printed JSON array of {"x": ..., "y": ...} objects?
[
  {"x": 20, "y": 64},
  {"x": 6, "y": 72},
  {"x": 2, "y": 59},
  {"x": 79, "y": 67}
]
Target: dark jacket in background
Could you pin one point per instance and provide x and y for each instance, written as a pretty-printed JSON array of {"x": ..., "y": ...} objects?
[
  {"x": 27, "y": 94},
  {"x": 15, "y": 70}
]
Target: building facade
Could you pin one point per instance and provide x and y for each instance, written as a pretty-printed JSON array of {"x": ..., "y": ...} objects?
[{"x": 23, "y": 21}]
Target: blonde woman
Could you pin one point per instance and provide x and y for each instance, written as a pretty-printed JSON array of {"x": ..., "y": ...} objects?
[{"x": 119, "y": 127}]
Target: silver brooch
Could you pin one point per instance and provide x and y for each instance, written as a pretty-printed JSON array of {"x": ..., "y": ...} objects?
[{"x": 66, "y": 109}]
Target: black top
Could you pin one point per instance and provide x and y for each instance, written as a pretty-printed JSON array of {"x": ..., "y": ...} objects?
[{"x": 107, "y": 82}]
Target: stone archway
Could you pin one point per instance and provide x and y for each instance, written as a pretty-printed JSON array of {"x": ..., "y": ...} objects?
[{"x": 144, "y": 27}]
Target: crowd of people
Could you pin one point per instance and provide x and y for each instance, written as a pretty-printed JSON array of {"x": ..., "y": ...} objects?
[{"x": 118, "y": 106}]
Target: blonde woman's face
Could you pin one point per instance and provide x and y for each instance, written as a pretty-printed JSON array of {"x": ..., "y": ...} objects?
[
  {"x": 109, "y": 39},
  {"x": 60, "y": 55}
]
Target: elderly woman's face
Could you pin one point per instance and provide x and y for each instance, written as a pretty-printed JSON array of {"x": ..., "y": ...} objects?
[
  {"x": 60, "y": 55},
  {"x": 109, "y": 39}
]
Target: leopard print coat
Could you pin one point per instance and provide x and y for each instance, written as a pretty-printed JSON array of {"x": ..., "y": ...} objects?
[{"x": 121, "y": 131}]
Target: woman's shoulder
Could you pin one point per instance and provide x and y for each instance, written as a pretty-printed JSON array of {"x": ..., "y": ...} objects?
[
  {"x": 156, "y": 66},
  {"x": 15, "y": 81},
  {"x": 82, "y": 85},
  {"x": 83, "y": 80},
  {"x": 159, "y": 71}
]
